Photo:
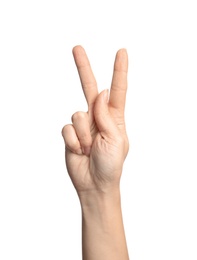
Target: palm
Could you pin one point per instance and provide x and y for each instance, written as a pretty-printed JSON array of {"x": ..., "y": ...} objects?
[{"x": 108, "y": 148}]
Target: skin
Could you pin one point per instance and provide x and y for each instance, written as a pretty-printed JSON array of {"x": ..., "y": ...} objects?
[{"x": 96, "y": 147}]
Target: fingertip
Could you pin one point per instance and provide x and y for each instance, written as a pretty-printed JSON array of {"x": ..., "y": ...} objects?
[
  {"x": 78, "y": 48},
  {"x": 122, "y": 51},
  {"x": 121, "y": 60}
]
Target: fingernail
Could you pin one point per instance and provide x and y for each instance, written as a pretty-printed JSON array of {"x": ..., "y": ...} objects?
[
  {"x": 106, "y": 95},
  {"x": 79, "y": 151},
  {"x": 86, "y": 150}
]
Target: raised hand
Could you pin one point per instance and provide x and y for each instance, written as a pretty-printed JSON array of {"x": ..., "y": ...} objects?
[{"x": 96, "y": 141}]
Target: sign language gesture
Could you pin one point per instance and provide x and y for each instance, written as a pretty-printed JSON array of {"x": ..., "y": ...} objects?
[{"x": 96, "y": 141}]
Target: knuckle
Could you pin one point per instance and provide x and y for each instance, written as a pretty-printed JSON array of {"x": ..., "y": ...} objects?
[
  {"x": 65, "y": 128},
  {"x": 78, "y": 115}
]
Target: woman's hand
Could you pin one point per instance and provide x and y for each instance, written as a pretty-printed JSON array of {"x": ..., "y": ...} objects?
[{"x": 96, "y": 141}]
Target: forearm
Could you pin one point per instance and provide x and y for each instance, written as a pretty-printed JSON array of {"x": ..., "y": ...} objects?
[{"x": 103, "y": 236}]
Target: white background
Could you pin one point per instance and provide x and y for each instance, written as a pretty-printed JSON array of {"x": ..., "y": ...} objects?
[{"x": 40, "y": 215}]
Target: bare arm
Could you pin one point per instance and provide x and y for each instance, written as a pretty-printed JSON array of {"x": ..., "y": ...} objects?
[
  {"x": 96, "y": 147},
  {"x": 102, "y": 228}
]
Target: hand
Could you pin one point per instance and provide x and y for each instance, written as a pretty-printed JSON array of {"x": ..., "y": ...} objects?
[{"x": 96, "y": 141}]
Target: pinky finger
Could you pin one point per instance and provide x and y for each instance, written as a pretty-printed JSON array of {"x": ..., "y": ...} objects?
[{"x": 71, "y": 140}]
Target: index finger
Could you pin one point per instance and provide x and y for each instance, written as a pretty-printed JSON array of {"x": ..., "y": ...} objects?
[
  {"x": 118, "y": 90},
  {"x": 86, "y": 75}
]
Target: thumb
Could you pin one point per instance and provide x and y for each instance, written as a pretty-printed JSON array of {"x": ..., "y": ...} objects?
[{"x": 104, "y": 120}]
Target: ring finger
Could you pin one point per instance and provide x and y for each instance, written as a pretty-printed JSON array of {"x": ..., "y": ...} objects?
[{"x": 81, "y": 124}]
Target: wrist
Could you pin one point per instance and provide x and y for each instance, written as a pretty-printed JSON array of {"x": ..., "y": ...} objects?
[
  {"x": 101, "y": 209},
  {"x": 99, "y": 199}
]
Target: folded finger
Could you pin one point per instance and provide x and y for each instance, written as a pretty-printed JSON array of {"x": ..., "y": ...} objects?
[
  {"x": 70, "y": 138},
  {"x": 82, "y": 127}
]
